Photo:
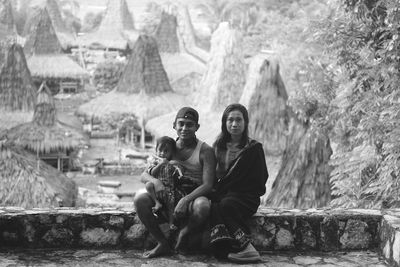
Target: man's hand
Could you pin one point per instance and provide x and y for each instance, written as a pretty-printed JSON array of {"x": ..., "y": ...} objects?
[{"x": 181, "y": 208}]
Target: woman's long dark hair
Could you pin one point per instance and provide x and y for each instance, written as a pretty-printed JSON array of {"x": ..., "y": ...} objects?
[{"x": 224, "y": 137}]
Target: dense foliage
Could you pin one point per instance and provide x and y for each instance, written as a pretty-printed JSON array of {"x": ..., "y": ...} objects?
[
  {"x": 362, "y": 62},
  {"x": 107, "y": 74}
]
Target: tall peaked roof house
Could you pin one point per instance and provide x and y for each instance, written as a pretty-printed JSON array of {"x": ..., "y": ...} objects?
[
  {"x": 17, "y": 91},
  {"x": 66, "y": 36},
  {"x": 143, "y": 89},
  {"x": 116, "y": 30},
  {"x": 45, "y": 58},
  {"x": 166, "y": 34},
  {"x": 265, "y": 97},
  {"x": 144, "y": 71},
  {"x": 7, "y": 22},
  {"x": 45, "y": 134}
]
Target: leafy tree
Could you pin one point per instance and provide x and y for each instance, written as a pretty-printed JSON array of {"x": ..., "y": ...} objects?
[
  {"x": 241, "y": 14},
  {"x": 361, "y": 38},
  {"x": 92, "y": 21},
  {"x": 107, "y": 74}
]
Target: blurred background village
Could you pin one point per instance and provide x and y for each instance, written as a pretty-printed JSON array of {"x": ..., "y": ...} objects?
[{"x": 86, "y": 87}]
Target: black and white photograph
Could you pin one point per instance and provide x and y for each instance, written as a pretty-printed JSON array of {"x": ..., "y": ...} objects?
[{"x": 200, "y": 133}]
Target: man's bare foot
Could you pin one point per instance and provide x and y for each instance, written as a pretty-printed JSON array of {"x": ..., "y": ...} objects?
[
  {"x": 159, "y": 250},
  {"x": 180, "y": 243}
]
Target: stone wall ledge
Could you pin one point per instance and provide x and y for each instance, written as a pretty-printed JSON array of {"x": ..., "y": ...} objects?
[{"x": 272, "y": 229}]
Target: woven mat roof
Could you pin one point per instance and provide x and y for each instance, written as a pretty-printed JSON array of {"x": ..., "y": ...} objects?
[
  {"x": 148, "y": 106},
  {"x": 17, "y": 91},
  {"x": 144, "y": 70},
  {"x": 6, "y": 16},
  {"x": 43, "y": 38},
  {"x": 45, "y": 134},
  {"x": 55, "y": 66},
  {"x": 116, "y": 29},
  {"x": 25, "y": 185},
  {"x": 65, "y": 35}
]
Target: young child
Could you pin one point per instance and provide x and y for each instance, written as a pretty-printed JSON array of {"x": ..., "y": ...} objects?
[{"x": 167, "y": 172}]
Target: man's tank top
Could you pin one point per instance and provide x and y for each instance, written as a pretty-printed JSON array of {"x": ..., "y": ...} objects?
[{"x": 192, "y": 166}]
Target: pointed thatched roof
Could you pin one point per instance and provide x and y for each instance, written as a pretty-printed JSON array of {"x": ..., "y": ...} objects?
[
  {"x": 186, "y": 33},
  {"x": 303, "y": 179},
  {"x": 17, "y": 91},
  {"x": 65, "y": 36},
  {"x": 56, "y": 66},
  {"x": 116, "y": 30},
  {"x": 46, "y": 59},
  {"x": 6, "y": 17},
  {"x": 166, "y": 34},
  {"x": 43, "y": 38},
  {"x": 144, "y": 71},
  {"x": 222, "y": 84},
  {"x": 265, "y": 97},
  {"x": 25, "y": 185},
  {"x": 45, "y": 134},
  {"x": 177, "y": 63},
  {"x": 224, "y": 79},
  {"x": 143, "y": 89}
]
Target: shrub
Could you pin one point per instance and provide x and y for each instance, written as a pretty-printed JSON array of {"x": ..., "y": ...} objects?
[{"x": 107, "y": 74}]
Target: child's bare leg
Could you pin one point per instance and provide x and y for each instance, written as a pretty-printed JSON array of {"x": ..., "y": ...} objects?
[{"x": 152, "y": 192}]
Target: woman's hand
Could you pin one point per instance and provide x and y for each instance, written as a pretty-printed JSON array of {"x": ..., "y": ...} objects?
[{"x": 181, "y": 208}]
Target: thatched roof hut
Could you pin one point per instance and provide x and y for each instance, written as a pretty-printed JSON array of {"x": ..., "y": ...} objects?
[
  {"x": 17, "y": 91},
  {"x": 144, "y": 71},
  {"x": 265, "y": 97},
  {"x": 43, "y": 38},
  {"x": 45, "y": 134},
  {"x": 177, "y": 62},
  {"x": 66, "y": 36},
  {"x": 166, "y": 34},
  {"x": 56, "y": 66},
  {"x": 6, "y": 17},
  {"x": 143, "y": 88},
  {"x": 303, "y": 179},
  {"x": 23, "y": 184},
  {"x": 222, "y": 84},
  {"x": 116, "y": 30},
  {"x": 44, "y": 51},
  {"x": 224, "y": 79}
]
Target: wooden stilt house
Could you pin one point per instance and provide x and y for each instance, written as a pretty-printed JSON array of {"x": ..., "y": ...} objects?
[
  {"x": 143, "y": 89},
  {"x": 47, "y": 62},
  {"x": 47, "y": 137}
]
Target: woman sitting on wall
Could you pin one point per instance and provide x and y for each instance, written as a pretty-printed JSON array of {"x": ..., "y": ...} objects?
[{"x": 242, "y": 174}]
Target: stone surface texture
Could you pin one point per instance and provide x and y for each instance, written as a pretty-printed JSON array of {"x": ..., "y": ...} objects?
[
  {"x": 312, "y": 232},
  {"x": 390, "y": 236},
  {"x": 40, "y": 257}
]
